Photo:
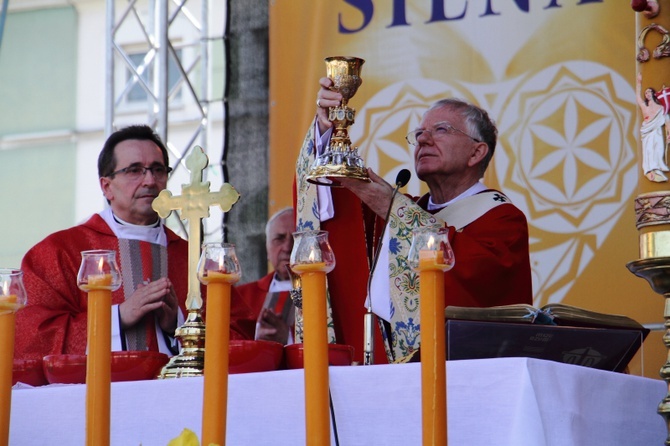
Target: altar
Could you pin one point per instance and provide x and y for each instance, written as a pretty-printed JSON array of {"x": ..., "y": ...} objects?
[{"x": 506, "y": 401}]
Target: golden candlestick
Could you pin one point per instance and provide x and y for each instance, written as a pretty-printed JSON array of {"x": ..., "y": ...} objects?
[
  {"x": 340, "y": 159},
  {"x": 652, "y": 204},
  {"x": 194, "y": 204}
]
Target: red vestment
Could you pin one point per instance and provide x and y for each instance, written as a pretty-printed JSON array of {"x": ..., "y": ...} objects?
[
  {"x": 55, "y": 319},
  {"x": 255, "y": 295},
  {"x": 492, "y": 259},
  {"x": 492, "y": 265}
]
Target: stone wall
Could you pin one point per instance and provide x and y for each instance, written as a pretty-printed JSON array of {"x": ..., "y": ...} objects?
[{"x": 247, "y": 139}]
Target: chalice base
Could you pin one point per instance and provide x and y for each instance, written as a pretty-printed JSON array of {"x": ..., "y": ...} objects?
[
  {"x": 331, "y": 165},
  {"x": 191, "y": 358},
  {"x": 328, "y": 176}
]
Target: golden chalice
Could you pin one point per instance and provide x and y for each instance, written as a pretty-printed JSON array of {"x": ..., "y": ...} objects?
[{"x": 340, "y": 159}]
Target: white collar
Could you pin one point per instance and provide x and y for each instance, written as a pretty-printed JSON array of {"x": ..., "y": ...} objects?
[
  {"x": 152, "y": 234},
  {"x": 474, "y": 189},
  {"x": 277, "y": 286}
]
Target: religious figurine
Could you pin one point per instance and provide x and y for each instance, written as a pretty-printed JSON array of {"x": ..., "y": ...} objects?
[{"x": 651, "y": 132}]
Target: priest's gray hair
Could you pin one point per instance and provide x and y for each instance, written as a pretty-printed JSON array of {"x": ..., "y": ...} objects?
[{"x": 274, "y": 217}]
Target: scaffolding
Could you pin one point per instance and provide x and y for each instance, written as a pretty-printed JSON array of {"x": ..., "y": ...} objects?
[{"x": 147, "y": 41}]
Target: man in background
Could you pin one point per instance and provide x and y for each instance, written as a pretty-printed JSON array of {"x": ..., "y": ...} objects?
[{"x": 268, "y": 297}]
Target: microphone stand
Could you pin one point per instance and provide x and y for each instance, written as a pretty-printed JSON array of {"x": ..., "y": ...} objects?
[{"x": 369, "y": 318}]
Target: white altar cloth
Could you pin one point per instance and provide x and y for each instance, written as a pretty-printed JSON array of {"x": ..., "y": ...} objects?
[{"x": 506, "y": 401}]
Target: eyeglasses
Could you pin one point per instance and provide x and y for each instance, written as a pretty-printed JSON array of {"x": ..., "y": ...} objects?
[
  {"x": 137, "y": 171},
  {"x": 440, "y": 131}
]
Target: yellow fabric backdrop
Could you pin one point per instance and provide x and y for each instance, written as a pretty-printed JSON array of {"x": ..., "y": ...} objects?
[{"x": 557, "y": 76}]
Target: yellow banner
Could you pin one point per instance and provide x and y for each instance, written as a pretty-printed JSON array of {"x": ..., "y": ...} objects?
[{"x": 558, "y": 77}]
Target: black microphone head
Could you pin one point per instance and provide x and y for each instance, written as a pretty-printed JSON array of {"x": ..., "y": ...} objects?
[{"x": 403, "y": 177}]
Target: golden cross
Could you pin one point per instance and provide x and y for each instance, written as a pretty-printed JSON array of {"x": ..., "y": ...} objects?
[{"x": 194, "y": 203}]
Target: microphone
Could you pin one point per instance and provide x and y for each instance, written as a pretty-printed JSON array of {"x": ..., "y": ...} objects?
[{"x": 401, "y": 180}]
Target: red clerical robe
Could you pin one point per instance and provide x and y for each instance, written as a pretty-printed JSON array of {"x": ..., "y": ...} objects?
[
  {"x": 492, "y": 260},
  {"x": 254, "y": 293},
  {"x": 55, "y": 319},
  {"x": 257, "y": 295},
  {"x": 491, "y": 251},
  {"x": 492, "y": 265}
]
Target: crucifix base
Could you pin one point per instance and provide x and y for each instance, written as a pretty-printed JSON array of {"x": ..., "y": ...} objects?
[{"x": 191, "y": 358}]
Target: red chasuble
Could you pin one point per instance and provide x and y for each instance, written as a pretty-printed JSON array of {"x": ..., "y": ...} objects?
[
  {"x": 492, "y": 266},
  {"x": 54, "y": 321},
  {"x": 492, "y": 260},
  {"x": 256, "y": 295}
]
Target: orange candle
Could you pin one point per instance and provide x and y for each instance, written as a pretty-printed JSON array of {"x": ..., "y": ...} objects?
[
  {"x": 99, "y": 282},
  {"x": 217, "y": 339},
  {"x": 433, "y": 355},
  {"x": 309, "y": 267},
  {"x": 98, "y": 364},
  {"x": 315, "y": 339},
  {"x": 431, "y": 259},
  {"x": 8, "y": 305}
]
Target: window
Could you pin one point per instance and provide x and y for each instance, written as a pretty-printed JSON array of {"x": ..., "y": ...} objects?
[{"x": 137, "y": 93}]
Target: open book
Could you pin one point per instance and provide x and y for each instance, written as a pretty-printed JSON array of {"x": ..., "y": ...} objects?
[{"x": 555, "y": 332}]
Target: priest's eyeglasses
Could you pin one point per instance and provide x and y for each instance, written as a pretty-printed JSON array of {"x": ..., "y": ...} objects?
[
  {"x": 440, "y": 131},
  {"x": 137, "y": 171}
]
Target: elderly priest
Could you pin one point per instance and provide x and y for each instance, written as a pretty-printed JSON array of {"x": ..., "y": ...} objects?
[{"x": 489, "y": 235}]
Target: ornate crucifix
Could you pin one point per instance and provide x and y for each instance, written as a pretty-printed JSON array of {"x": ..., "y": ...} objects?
[{"x": 194, "y": 203}]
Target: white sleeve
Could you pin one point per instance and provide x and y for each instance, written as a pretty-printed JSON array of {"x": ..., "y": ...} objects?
[
  {"x": 169, "y": 348},
  {"x": 324, "y": 196},
  {"x": 117, "y": 343},
  {"x": 380, "y": 291}
]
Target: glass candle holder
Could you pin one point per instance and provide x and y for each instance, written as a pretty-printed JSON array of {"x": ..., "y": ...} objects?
[
  {"x": 311, "y": 252},
  {"x": 98, "y": 271},
  {"x": 12, "y": 292},
  {"x": 219, "y": 263},
  {"x": 430, "y": 250}
]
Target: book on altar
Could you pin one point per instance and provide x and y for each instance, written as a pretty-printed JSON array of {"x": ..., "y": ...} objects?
[{"x": 555, "y": 332}]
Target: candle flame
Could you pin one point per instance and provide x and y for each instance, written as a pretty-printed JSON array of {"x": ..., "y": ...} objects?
[
  {"x": 5, "y": 288},
  {"x": 312, "y": 256},
  {"x": 431, "y": 242},
  {"x": 101, "y": 263}
]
